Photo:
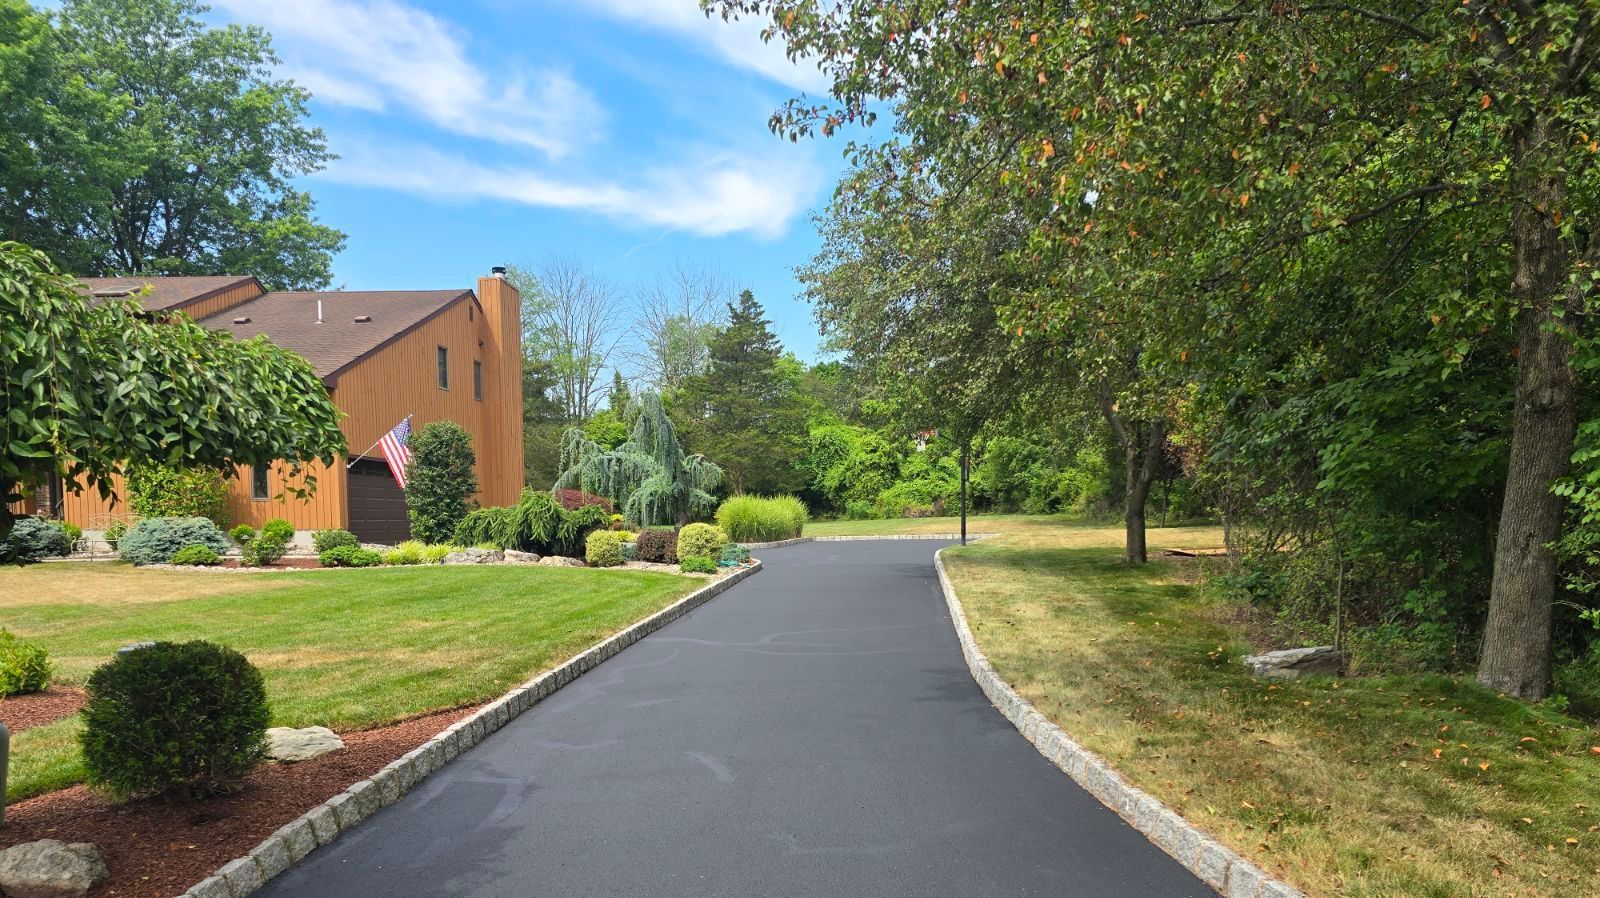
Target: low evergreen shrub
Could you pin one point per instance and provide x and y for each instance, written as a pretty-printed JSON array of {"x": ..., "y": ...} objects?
[
  {"x": 202, "y": 556},
  {"x": 242, "y": 534},
  {"x": 278, "y": 528},
  {"x": 269, "y": 545},
  {"x": 156, "y": 540},
  {"x": 658, "y": 546},
  {"x": 762, "y": 519},
  {"x": 604, "y": 548},
  {"x": 701, "y": 540},
  {"x": 33, "y": 539},
  {"x": 323, "y": 540},
  {"x": 187, "y": 720},
  {"x": 733, "y": 555},
  {"x": 350, "y": 556},
  {"x": 24, "y": 666},
  {"x": 698, "y": 564}
]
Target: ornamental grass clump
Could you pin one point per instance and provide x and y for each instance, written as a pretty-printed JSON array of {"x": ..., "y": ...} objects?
[
  {"x": 186, "y": 720},
  {"x": 762, "y": 519}
]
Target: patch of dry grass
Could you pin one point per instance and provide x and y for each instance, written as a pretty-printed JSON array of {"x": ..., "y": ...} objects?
[
  {"x": 1397, "y": 787},
  {"x": 117, "y": 583}
]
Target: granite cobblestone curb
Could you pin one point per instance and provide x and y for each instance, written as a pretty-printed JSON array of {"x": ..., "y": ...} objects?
[
  {"x": 327, "y": 821},
  {"x": 1215, "y": 864},
  {"x": 850, "y": 539}
]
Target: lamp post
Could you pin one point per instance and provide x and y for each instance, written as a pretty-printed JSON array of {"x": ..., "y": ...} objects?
[
  {"x": 5, "y": 759},
  {"x": 966, "y": 452}
]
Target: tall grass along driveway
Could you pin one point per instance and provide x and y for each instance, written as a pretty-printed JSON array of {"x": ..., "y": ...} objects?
[{"x": 345, "y": 649}]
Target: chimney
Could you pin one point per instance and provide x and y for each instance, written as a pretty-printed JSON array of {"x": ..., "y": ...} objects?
[{"x": 501, "y": 351}]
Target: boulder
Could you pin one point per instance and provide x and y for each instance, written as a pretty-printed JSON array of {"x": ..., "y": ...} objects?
[
  {"x": 560, "y": 561},
  {"x": 290, "y": 744},
  {"x": 51, "y": 869},
  {"x": 1292, "y": 664},
  {"x": 512, "y": 556},
  {"x": 475, "y": 555}
]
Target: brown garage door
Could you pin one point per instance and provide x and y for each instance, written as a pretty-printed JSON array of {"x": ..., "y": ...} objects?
[{"x": 377, "y": 506}]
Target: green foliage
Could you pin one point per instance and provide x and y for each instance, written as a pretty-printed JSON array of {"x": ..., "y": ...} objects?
[
  {"x": 278, "y": 528},
  {"x": 656, "y": 546},
  {"x": 704, "y": 540},
  {"x": 537, "y": 523},
  {"x": 269, "y": 545},
  {"x": 33, "y": 539},
  {"x": 848, "y": 464},
  {"x": 114, "y": 532},
  {"x": 73, "y": 532},
  {"x": 350, "y": 556},
  {"x": 603, "y": 548},
  {"x": 439, "y": 480},
  {"x": 759, "y": 519},
  {"x": 203, "y": 556},
  {"x": 156, "y": 540},
  {"x": 159, "y": 491},
  {"x": 24, "y": 667},
  {"x": 733, "y": 555},
  {"x": 89, "y": 387},
  {"x": 649, "y": 476},
  {"x": 323, "y": 540},
  {"x": 606, "y": 429},
  {"x": 415, "y": 552},
  {"x": 242, "y": 533},
  {"x": 698, "y": 564},
  {"x": 182, "y": 719}
]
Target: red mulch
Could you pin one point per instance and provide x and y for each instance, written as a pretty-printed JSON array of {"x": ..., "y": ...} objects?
[
  {"x": 156, "y": 849},
  {"x": 21, "y": 712},
  {"x": 296, "y": 561}
]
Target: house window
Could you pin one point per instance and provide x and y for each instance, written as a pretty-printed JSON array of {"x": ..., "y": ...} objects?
[
  {"x": 444, "y": 368},
  {"x": 258, "y": 483},
  {"x": 469, "y": 311},
  {"x": 477, "y": 380}
]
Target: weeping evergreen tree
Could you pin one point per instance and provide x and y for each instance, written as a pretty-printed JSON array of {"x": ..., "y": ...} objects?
[{"x": 648, "y": 476}]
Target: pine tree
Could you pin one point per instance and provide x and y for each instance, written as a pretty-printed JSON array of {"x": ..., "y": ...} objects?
[
  {"x": 649, "y": 477},
  {"x": 744, "y": 410}
]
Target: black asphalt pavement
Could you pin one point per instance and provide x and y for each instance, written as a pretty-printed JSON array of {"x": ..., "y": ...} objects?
[{"x": 812, "y": 731}]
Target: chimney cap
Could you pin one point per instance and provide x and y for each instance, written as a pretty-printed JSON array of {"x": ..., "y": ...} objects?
[{"x": 498, "y": 271}]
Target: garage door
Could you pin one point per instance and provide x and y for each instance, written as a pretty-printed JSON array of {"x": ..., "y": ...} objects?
[{"x": 377, "y": 506}]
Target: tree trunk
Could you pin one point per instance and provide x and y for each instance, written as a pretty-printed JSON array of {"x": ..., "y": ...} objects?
[
  {"x": 1516, "y": 637},
  {"x": 1142, "y": 444}
]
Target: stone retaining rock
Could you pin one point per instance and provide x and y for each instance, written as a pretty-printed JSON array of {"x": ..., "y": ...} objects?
[
  {"x": 475, "y": 555},
  {"x": 512, "y": 556},
  {"x": 51, "y": 869},
  {"x": 1292, "y": 664},
  {"x": 560, "y": 561},
  {"x": 290, "y": 744}
]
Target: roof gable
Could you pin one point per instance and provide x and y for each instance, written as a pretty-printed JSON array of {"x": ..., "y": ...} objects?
[{"x": 165, "y": 293}]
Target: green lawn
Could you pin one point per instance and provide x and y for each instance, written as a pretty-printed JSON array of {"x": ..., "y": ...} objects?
[
  {"x": 347, "y": 649},
  {"x": 1398, "y": 787},
  {"x": 988, "y": 523}
]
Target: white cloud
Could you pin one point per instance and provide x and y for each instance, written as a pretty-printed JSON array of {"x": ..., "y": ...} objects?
[
  {"x": 721, "y": 193},
  {"x": 377, "y": 54},
  {"x": 738, "y": 42}
]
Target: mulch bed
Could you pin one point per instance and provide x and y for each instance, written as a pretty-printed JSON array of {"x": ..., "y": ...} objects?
[
  {"x": 21, "y": 712},
  {"x": 156, "y": 849}
]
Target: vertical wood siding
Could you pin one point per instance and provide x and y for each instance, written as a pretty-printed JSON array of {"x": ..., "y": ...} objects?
[{"x": 222, "y": 301}]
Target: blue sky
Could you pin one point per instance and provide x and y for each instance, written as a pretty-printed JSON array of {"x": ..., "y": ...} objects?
[{"x": 630, "y": 134}]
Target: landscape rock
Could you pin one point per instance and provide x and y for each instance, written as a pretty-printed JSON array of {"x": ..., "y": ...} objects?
[
  {"x": 1292, "y": 664},
  {"x": 51, "y": 869},
  {"x": 560, "y": 561},
  {"x": 512, "y": 556},
  {"x": 290, "y": 744},
  {"x": 475, "y": 555}
]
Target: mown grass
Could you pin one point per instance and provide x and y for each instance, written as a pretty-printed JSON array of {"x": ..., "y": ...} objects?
[
  {"x": 987, "y": 523},
  {"x": 1397, "y": 787},
  {"x": 345, "y": 649}
]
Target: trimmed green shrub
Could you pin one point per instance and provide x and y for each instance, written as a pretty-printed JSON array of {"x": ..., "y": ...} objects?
[
  {"x": 762, "y": 519},
  {"x": 156, "y": 540},
  {"x": 659, "y": 546},
  {"x": 278, "y": 528},
  {"x": 439, "y": 480},
  {"x": 158, "y": 491},
  {"x": 114, "y": 532},
  {"x": 604, "y": 548},
  {"x": 701, "y": 540},
  {"x": 73, "y": 532},
  {"x": 24, "y": 666},
  {"x": 183, "y": 719},
  {"x": 202, "y": 556},
  {"x": 242, "y": 534},
  {"x": 537, "y": 523},
  {"x": 698, "y": 564},
  {"x": 350, "y": 556},
  {"x": 323, "y": 540},
  {"x": 33, "y": 539},
  {"x": 733, "y": 555},
  {"x": 270, "y": 544}
]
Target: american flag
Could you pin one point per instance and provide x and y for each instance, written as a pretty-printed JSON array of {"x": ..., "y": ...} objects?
[{"x": 396, "y": 451}]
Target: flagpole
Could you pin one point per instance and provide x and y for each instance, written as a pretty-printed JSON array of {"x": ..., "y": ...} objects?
[{"x": 374, "y": 443}]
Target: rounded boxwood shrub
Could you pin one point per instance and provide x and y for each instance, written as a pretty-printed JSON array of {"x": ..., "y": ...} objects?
[
  {"x": 156, "y": 540},
  {"x": 762, "y": 519},
  {"x": 183, "y": 719},
  {"x": 350, "y": 556},
  {"x": 323, "y": 540},
  {"x": 701, "y": 541},
  {"x": 658, "y": 546},
  {"x": 604, "y": 548},
  {"x": 698, "y": 564},
  {"x": 31, "y": 540},
  {"x": 201, "y": 556},
  {"x": 24, "y": 667}
]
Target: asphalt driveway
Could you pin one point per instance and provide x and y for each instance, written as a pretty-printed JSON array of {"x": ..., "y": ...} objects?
[{"x": 812, "y": 731}]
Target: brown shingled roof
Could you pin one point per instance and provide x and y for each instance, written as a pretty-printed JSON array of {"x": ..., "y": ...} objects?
[
  {"x": 165, "y": 292},
  {"x": 290, "y": 320}
]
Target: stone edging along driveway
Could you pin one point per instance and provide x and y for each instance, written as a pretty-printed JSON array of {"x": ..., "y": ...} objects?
[
  {"x": 1217, "y": 865},
  {"x": 325, "y": 822}
]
